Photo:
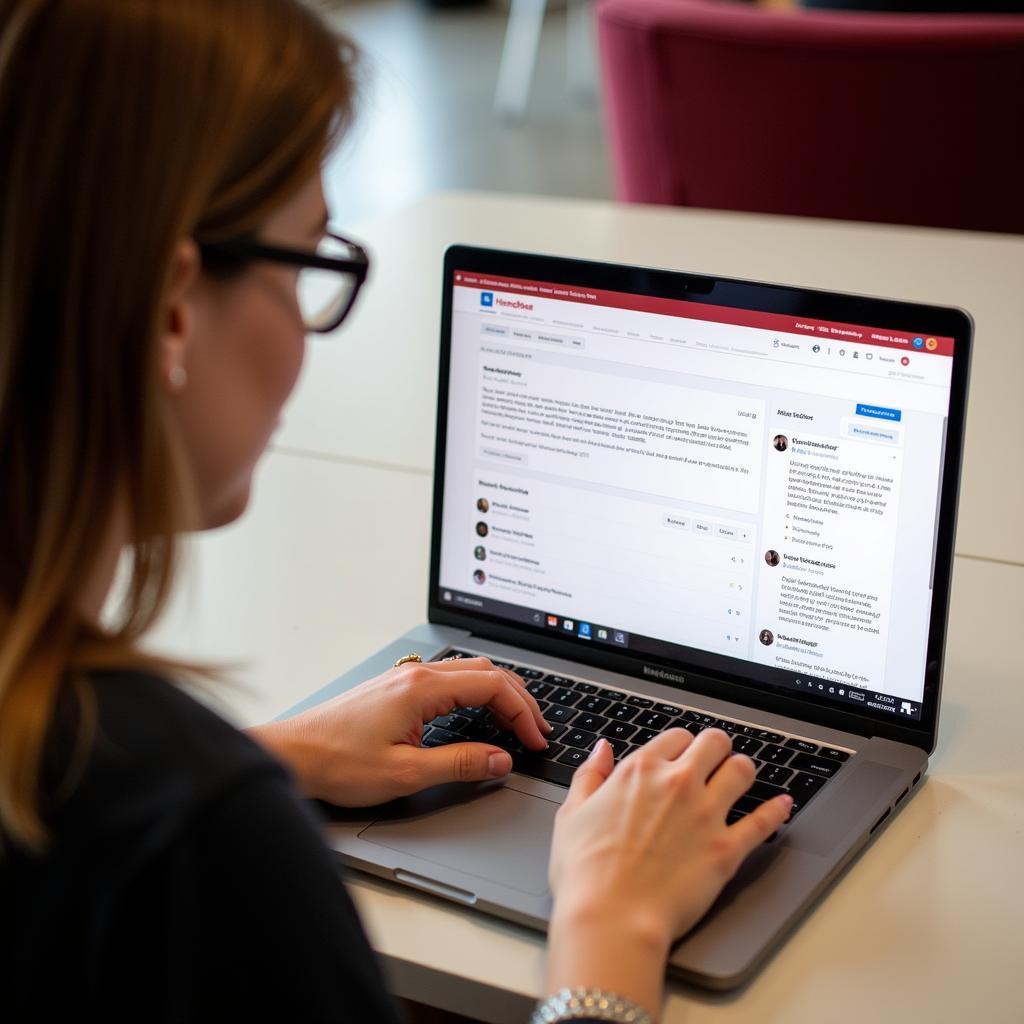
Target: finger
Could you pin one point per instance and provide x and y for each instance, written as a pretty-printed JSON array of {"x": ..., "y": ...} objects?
[
  {"x": 669, "y": 744},
  {"x": 460, "y": 762},
  {"x": 707, "y": 752},
  {"x": 591, "y": 774},
  {"x": 441, "y": 691},
  {"x": 754, "y": 828},
  {"x": 733, "y": 778},
  {"x": 520, "y": 684}
]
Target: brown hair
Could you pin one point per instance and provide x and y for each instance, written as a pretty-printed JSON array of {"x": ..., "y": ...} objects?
[{"x": 125, "y": 127}]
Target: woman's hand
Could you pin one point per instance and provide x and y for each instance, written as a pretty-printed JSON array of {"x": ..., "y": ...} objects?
[
  {"x": 363, "y": 747},
  {"x": 640, "y": 853}
]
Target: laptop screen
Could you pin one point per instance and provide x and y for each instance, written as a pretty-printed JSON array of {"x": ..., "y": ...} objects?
[{"x": 699, "y": 484}]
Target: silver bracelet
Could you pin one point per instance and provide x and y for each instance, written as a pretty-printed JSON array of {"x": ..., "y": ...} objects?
[{"x": 589, "y": 1003}]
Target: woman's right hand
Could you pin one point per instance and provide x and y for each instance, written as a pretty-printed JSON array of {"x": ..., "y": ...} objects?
[{"x": 640, "y": 851}]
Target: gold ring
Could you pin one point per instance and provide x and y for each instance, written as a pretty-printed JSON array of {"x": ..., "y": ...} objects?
[{"x": 408, "y": 658}]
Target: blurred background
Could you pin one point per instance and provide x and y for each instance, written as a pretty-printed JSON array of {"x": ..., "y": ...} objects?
[
  {"x": 897, "y": 111},
  {"x": 427, "y": 116}
]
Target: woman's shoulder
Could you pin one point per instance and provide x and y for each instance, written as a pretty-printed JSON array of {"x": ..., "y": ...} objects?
[{"x": 131, "y": 745}]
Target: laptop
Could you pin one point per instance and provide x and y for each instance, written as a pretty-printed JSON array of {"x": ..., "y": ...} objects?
[{"x": 674, "y": 500}]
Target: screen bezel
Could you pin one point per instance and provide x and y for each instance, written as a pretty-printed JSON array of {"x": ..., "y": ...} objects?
[{"x": 811, "y": 303}]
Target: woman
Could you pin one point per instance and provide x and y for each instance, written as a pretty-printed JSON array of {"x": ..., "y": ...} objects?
[{"x": 160, "y": 196}]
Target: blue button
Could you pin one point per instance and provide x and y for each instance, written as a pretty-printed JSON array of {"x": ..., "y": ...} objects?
[
  {"x": 879, "y": 412},
  {"x": 919, "y": 343}
]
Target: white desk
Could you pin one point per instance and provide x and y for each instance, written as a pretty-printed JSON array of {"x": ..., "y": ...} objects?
[
  {"x": 368, "y": 393},
  {"x": 331, "y": 562}
]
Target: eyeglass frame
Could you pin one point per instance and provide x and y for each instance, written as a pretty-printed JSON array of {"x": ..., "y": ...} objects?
[{"x": 250, "y": 249}]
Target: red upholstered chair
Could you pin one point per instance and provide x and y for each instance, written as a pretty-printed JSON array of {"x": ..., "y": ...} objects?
[{"x": 908, "y": 119}]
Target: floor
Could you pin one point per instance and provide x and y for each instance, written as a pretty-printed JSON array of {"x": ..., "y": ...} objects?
[{"x": 426, "y": 117}]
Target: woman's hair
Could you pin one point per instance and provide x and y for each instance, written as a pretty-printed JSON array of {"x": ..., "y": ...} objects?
[{"x": 125, "y": 127}]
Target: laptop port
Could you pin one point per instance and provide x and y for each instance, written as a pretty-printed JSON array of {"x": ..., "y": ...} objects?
[
  {"x": 888, "y": 811},
  {"x": 901, "y": 796}
]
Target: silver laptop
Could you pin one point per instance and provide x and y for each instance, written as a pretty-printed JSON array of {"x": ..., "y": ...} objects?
[{"x": 674, "y": 500}]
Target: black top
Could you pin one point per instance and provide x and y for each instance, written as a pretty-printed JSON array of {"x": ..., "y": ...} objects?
[{"x": 186, "y": 881}]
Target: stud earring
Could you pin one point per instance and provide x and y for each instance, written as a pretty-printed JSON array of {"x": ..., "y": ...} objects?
[{"x": 178, "y": 378}]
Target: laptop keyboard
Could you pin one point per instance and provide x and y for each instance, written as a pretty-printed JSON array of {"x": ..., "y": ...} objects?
[{"x": 581, "y": 711}]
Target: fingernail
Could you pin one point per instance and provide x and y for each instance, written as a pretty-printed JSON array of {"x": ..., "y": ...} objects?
[
  {"x": 548, "y": 727},
  {"x": 788, "y": 801},
  {"x": 597, "y": 746},
  {"x": 499, "y": 764}
]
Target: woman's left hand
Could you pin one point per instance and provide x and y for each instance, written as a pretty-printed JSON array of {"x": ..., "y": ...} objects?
[{"x": 363, "y": 747}]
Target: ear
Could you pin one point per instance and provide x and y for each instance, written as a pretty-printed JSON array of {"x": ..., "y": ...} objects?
[{"x": 178, "y": 315}]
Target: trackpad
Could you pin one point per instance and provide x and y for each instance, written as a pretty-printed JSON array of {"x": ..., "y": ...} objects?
[{"x": 501, "y": 835}]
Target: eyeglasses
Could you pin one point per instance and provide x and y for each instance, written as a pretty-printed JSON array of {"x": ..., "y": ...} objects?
[{"x": 329, "y": 280}]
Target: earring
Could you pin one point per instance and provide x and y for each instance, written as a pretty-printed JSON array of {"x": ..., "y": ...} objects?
[{"x": 178, "y": 378}]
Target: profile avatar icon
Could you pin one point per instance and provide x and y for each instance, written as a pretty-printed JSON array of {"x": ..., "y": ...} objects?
[
  {"x": 772, "y": 558},
  {"x": 479, "y": 552},
  {"x": 767, "y": 637},
  {"x": 482, "y": 504},
  {"x": 481, "y": 529},
  {"x": 781, "y": 442},
  {"x": 479, "y": 576}
]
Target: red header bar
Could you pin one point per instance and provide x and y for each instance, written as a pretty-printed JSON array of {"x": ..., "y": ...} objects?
[{"x": 825, "y": 330}]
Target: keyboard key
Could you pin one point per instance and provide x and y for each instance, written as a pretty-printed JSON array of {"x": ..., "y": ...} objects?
[
  {"x": 530, "y": 673},
  {"x": 745, "y": 744},
  {"x": 619, "y": 747},
  {"x": 572, "y": 756},
  {"x": 453, "y": 653},
  {"x": 668, "y": 709},
  {"x": 579, "y": 738},
  {"x": 479, "y": 732},
  {"x": 652, "y": 720},
  {"x": 504, "y": 664},
  {"x": 836, "y": 755},
  {"x": 640, "y": 702},
  {"x": 538, "y": 689},
  {"x": 765, "y": 790},
  {"x": 732, "y": 816},
  {"x": 767, "y": 736},
  {"x": 592, "y": 723},
  {"x": 511, "y": 742},
  {"x": 775, "y": 754},
  {"x": 540, "y": 768},
  {"x": 621, "y": 712},
  {"x": 433, "y": 738},
  {"x": 560, "y": 695},
  {"x": 556, "y": 731},
  {"x": 477, "y": 714},
  {"x": 593, "y": 704},
  {"x": 802, "y": 787},
  {"x": 558, "y": 713},
  {"x": 618, "y": 730},
  {"x": 443, "y": 736},
  {"x": 612, "y": 694},
  {"x": 746, "y": 804},
  {"x": 553, "y": 751},
  {"x": 823, "y": 767},
  {"x": 693, "y": 727},
  {"x": 775, "y": 774},
  {"x": 700, "y": 718},
  {"x": 453, "y": 722},
  {"x": 807, "y": 748},
  {"x": 558, "y": 680},
  {"x": 644, "y": 736},
  {"x": 586, "y": 687}
]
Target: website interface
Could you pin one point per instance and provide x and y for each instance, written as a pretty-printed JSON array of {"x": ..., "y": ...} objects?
[{"x": 684, "y": 480}]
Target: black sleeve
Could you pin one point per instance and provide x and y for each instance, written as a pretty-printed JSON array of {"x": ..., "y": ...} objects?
[{"x": 268, "y": 930}]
